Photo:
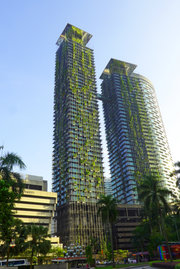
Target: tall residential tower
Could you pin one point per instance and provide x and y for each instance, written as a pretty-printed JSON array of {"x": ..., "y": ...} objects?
[
  {"x": 77, "y": 157},
  {"x": 136, "y": 137}
]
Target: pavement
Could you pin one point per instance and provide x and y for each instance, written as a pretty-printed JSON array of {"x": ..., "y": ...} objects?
[{"x": 140, "y": 267}]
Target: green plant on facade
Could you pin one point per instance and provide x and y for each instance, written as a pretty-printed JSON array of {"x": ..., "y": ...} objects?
[
  {"x": 78, "y": 167},
  {"x": 137, "y": 122},
  {"x": 131, "y": 97},
  {"x": 83, "y": 95}
]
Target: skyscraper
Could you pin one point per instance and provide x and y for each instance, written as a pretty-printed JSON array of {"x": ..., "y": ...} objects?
[
  {"x": 136, "y": 138},
  {"x": 108, "y": 186},
  {"x": 77, "y": 157}
]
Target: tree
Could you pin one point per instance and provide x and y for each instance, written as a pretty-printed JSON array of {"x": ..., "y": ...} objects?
[
  {"x": 107, "y": 207},
  {"x": 176, "y": 202},
  {"x": 11, "y": 188},
  {"x": 177, "y": 173},
  {"x": 141, "y": 235},
  {"x": 94, "y": 242},
  {"x": 155, "y": 200},
  {"x": 20, "y": 238},
  {"x": 88, "y": 252},
  {"x": 38, "y": 244},
  {"x": 172, "y": 221},
  {"x": 155, "y": 239},
  {"x": 10, "y": 182},
  {"x": 14, "y": 236},
  {"x": 176, "y": 206},
  {"x": 120, "y": 254},
  {"x": 57, "y": 251}
]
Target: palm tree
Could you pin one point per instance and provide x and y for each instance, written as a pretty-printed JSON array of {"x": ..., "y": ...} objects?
[
  {"x": 177, "y": 172},
  {"x": 155, "y": 200},
  {"x": 38, "y": 242},
  {"x": 176, "y": 206},
  {"x": 11, "y": 188},
  {"x": 107, "y": 207},
  {"x": 7, "y": 162}
]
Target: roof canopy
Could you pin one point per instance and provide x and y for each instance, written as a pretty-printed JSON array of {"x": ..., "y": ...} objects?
[
  {"x": 73, "y": 33},
  {"x": 117, "y": 66}
]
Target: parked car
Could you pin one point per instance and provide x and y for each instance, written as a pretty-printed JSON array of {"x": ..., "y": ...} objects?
[{"x": 131, "y": 260}]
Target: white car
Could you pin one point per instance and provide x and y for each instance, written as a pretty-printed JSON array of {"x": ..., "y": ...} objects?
[{"x": 131, "y": 260}]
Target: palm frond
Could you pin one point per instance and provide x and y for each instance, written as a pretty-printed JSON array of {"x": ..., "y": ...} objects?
[{"x": 10, "y": 160}]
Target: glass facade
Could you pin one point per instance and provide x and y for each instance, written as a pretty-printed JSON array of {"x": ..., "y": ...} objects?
[
  {"x": 77, "y": 156},
  {"x": 136, "y": 138},
  {"x": 108, "y": 186}
]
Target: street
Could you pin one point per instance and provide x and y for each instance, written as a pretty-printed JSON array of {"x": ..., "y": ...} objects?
[{"x": 141, "y": 267}]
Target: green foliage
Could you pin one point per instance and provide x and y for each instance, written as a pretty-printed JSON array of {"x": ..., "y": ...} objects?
[
  {"x": 177, "y": 266},
  {"x": 176, "y": 202},
  {"x": 108, "y": 252},
  {"x": 172, "y": 226},
  {"x": 95, "y": 244},
  {"x": 88, "y": 252},
  {"x": 177, "y": 173},
  {"x": 82, "y": 116},
  {"x": 106, "y": 267},
  {"x": 176, "y": 206},
  {"x": 107, "y": 208},
  {"x": 146, "y": 237},
  {"x": 20, "y": 237},
  {"x": 11, "y": 188},
  {"x": 38, "y": 244},
  {"x": 141, "y": 235},
  {"x": 57, "y": 251},
  {"x": 155, "y": 239},
  {"x": 75, "y": 34},
  {"x": 13, "y": 236},
  {"x": 137, "y": 121},
  {"x": 154, "y": 197},
  {"x": 120, "y": 254}
]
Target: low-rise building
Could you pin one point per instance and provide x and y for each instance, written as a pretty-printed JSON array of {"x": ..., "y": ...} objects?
[
  {"x": 129, "y": 217},
  {"x": 37, "y": 205}
]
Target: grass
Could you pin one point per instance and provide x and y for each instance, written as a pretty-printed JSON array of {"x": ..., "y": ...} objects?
[
  {"x": 132, "y": 264},
  {"x": 123, "y": 265}
]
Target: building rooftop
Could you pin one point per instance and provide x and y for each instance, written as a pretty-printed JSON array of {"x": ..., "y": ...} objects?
[
  {"x": 34, "y": 182},
  {"x": 32, "y": 177},
  {"x": 117, "y": 66},
  {"x": 73, "y": 33}
]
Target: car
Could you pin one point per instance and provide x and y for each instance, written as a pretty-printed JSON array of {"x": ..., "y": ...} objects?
[{"x": 131, "y": 260}]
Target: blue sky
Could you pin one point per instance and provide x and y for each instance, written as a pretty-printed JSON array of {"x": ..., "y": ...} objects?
[{"x": 146, "y": 33}]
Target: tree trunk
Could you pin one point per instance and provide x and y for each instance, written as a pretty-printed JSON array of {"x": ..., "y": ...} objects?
[
  {"x": 160, "y": 227},
  {"x": 165, "y": 236},
  {"x": 142, "y": 250},
  {"x": 8, "y": 252},
  {"x": 177, "y": 233},
  {"x": 31, "y": 261},
  {"x": 111, "y": 238}
]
